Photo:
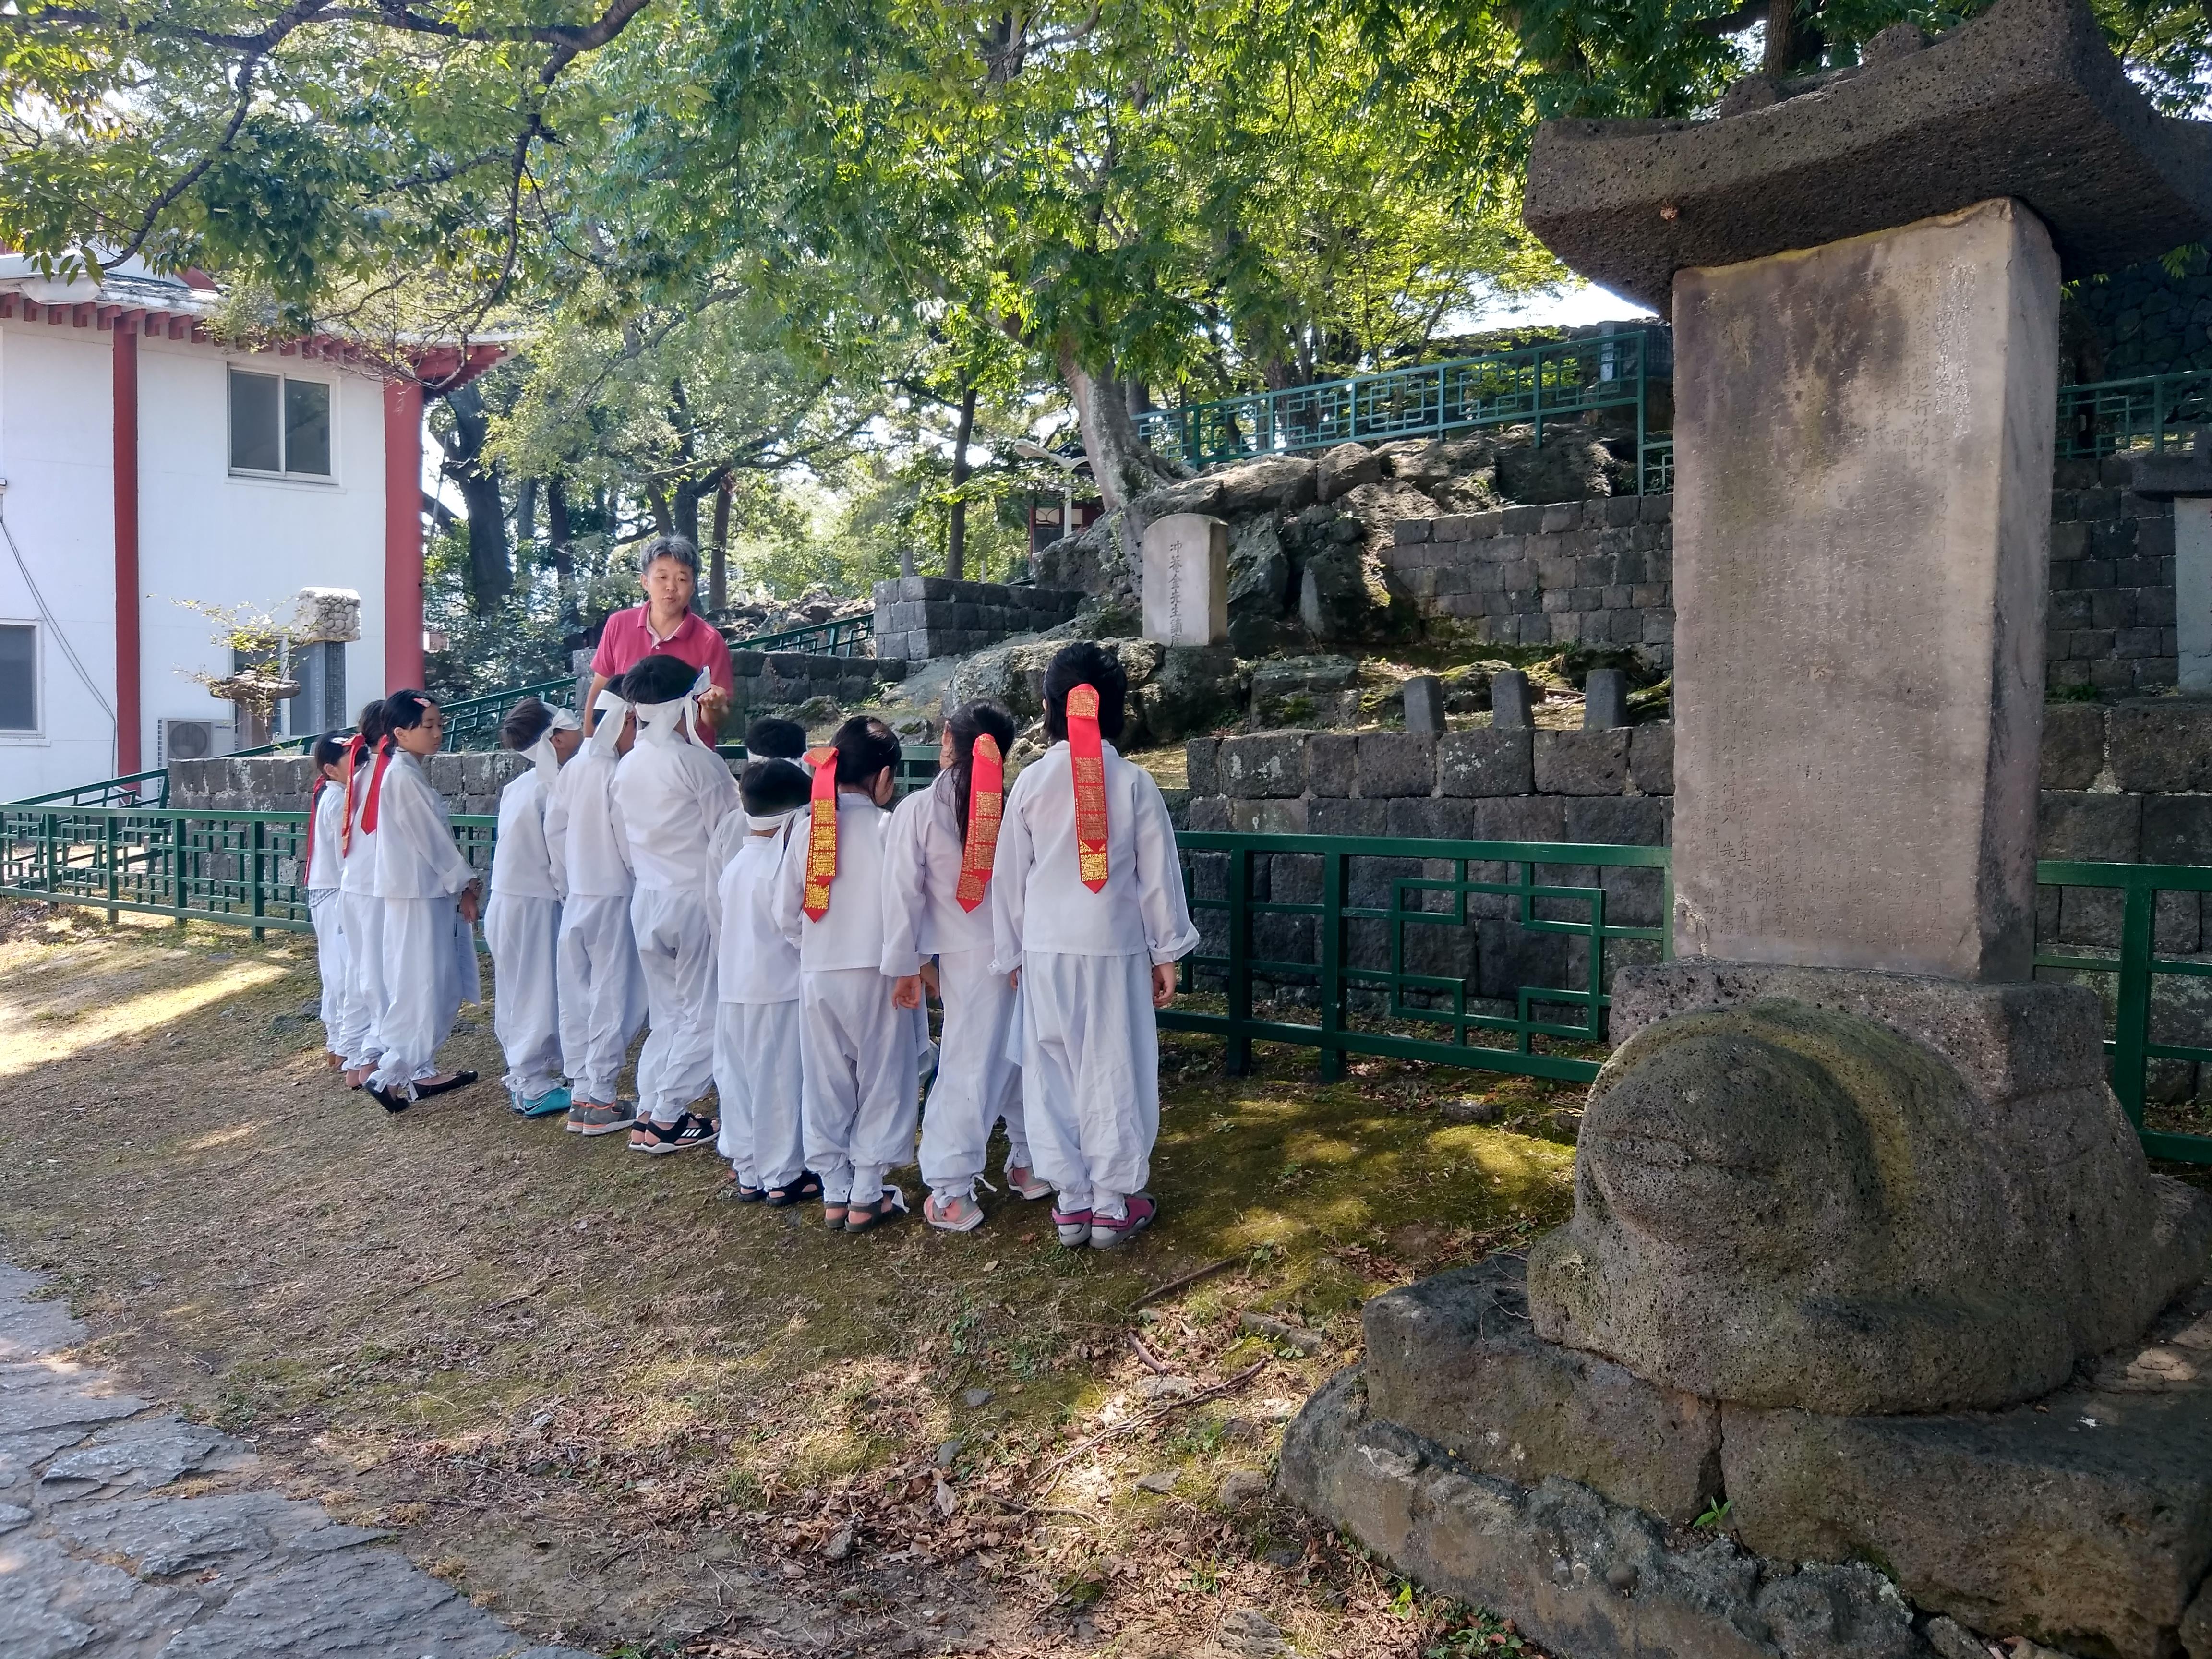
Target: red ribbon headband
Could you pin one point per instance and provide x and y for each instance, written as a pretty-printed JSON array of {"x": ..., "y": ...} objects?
[
  {"x": 987, "y": 794},
  {"x": 821, "y": 835},
  {"x": 1087, "y": 767}
]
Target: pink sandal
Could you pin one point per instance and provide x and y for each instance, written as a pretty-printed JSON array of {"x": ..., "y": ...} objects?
[{"x": 959, "y": 1214}]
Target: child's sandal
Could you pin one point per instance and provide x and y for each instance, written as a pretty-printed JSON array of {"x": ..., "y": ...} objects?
[
  {"x": 958, "y": 1214},
  {"x": 808, "y": 1185},
  {"x": 866, "y": 1217},
  {"x": 833, "y": 1216}
]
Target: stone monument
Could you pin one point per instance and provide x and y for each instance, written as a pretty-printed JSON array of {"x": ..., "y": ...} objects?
[
  {"x": 1863, "y": 1247},
  {"x": 1185, "y": 580}
]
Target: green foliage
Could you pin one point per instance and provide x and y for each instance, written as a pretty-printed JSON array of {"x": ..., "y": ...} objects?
[{"x": 1715, "y": 1514}]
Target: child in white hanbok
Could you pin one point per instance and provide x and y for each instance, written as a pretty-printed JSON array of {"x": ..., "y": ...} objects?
[
  {"x": 429, "y": 894},
  {"x": 673, "y": 793},
  {"x": 937, "y": 880},
  {"x": 1089, "y": 916},
  {"x": 522, "y": 920},
  {"x": 861, "y": 1084},
  {"x": 325, "y": 863},
  {"x": 757, "y": 1028},
  {"x": 360, "y": 915},
  {"x": 599, "y": 986}
]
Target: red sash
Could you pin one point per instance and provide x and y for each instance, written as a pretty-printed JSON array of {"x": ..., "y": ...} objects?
[
  {"x": 987, "y": 794},
  {"x": 355, "y": 748},
  {"x": 1087, "y": 766},
  {"x": 375, "y": 788},
  {"x": 821, "y": 836}
]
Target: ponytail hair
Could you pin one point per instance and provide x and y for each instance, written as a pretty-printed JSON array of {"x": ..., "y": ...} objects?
[
  {"x": 372, "y": 726},
  {"x": 966, "y": 723}
]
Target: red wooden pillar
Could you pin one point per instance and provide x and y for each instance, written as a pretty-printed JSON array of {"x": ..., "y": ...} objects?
[
  {"x": 403, "y": 534},
  {"x": 128, "y": 754}
]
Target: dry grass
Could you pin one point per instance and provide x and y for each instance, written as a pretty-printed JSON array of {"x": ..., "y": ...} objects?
[{"x": 615, "y": 1406}]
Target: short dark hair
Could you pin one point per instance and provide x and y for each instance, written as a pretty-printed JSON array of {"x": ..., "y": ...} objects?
[
  {"x": 371, "y": 725},
  {"x": 865, "y": 746},
  {"x": 525, "y": 723},
  {"x": 968, "y": 722},
  {"x": 1086, "y": 663},
  {"x": 330, "y": 749},
  {"x": 770, "y": 738},
  {"x": 404, "y": 710},
  {"x": 774, "y": 785},
  {"x": 658, "y": 678},
  {"x": 678, "y": 548}
]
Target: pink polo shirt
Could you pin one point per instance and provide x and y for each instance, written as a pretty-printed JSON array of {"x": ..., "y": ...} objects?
[{"x": 627, "y": 639}]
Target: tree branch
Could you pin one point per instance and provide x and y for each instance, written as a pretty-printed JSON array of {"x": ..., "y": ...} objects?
[{"x": 567, "y": 40}]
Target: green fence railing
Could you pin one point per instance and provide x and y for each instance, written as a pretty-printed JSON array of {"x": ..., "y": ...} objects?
[
  {"x": 1558, "y": 382},
  {"x": 1494, "y": 955},
  {"x": 845, "y": 636},
  {"x": 2154, "y": 412}
]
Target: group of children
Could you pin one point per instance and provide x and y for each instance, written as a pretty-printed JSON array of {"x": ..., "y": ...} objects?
[{"x": 776, "y": 936}]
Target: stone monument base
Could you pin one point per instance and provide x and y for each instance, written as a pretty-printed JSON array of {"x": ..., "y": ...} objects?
[{"x": 1488, "y": 1463}]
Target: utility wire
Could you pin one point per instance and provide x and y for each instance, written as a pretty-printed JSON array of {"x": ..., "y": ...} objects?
[{"x": 53, "y": 625}]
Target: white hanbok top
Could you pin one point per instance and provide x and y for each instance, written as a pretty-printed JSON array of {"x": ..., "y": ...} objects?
[
  {"x": 325, "y": 863},
  {"x": 672, "y": 795},
  {"x": 1038, "y": 903},
  {"x": 415, "y": 857},
  {"x": 753, "y": 961},
  {"x": 922, "y": 855},
  {"x": 587, "y": 844},
  {"x": 851, "y": 934},
  {"x": 360, "y": 873},
  {"x": 521, "y": 862}
]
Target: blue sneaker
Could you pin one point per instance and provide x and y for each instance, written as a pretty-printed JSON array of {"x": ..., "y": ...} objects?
[{"x": 552, "y": 1103}]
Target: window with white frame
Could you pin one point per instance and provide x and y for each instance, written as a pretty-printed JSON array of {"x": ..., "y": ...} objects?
[
  {"x": 279, "y": 426},
  {"x": 18, "y": 679}
]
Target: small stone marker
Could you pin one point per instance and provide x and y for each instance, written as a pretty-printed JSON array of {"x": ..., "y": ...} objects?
[
  {"x": 1185, "y": 560},
  {"x": 1510, "y": 700},
  {"x": 1605, "y": 700},
  {"x": 1424, "y": 704}
]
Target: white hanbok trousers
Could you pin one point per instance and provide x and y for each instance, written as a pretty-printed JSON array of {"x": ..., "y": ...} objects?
[
  {"x": 978, "y": 1083},
  {"x": 323, "y": 910},
  {"x": 1091, "y": 1075},
  {"x": 675, "y": 951},
  {"x": 758, "y": 1075},
  {"x": 860, "y": 1083},
  {"x": 362, "y": 1018},
  {"x": 524, "y": 934},
  {"x": 429, "y": 971},
  {"x": 600, "y": 993}
]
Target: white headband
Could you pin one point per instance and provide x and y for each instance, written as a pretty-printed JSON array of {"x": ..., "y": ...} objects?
[
  {"x": 608, "y": 732},
  {"x": 770, "y": 820},
  {"x": 657, "y": 722},
  {"x": 542, "y": 753}
]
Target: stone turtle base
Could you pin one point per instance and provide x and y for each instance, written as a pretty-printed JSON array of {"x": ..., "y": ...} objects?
[{"x": 1485, "y": 1461}]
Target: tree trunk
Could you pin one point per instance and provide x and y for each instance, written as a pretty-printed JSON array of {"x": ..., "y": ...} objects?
[
  {"x": 491, "y": 574},
  {"x": 557, "y": 531},
  {"x": 955, "y": 536},
  {"x": 1120, "y": 465},
  {"x": 657, "y": 499},
  {"x": 718, "y": 574},
  {"x": 1794, "y": 44},
  {"x": 525, "y": 512},
  {"x": 686, "y": 515}
]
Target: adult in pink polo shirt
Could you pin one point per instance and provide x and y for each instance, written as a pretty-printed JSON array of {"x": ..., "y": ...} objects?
[{"x": 668, "y": 570}]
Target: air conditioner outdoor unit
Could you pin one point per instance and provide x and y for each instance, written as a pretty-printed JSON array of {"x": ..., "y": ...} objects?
[{"x": 184, "y": 740}]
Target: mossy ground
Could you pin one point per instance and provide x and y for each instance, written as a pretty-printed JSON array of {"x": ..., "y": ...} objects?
[{"x": 614, "y": 1405}]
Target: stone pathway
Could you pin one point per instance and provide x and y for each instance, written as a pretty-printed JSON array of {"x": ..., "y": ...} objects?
[{"x": 99, "y": 1560}]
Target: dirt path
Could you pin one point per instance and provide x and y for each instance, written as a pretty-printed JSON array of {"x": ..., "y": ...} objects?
[{"x": 626, "y": 1414}]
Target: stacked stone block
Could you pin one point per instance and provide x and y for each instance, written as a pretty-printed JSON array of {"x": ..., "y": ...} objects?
[
  {"x": 1598, "y": 572},
  {"x": 761, "y": 678},
  {"x": 2111, "y": 622},
  {"x": 918, "y": 618},
  {"x": 1601, "y": 572}
]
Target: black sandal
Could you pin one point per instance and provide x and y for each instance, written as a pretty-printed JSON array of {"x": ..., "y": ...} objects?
[
  {"x": 459, "y": 1080},
  {"x": 867, "y": 1218},
  {"x": 738, "y": 1193},
  {"x": 391, "y": 1099},
  {"x": 808, "y": 1185}
]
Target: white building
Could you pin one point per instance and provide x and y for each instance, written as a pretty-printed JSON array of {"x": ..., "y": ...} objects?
[{"x": 146, "y": 463}]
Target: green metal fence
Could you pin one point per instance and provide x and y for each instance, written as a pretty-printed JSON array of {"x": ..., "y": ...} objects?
[
  {"x": 2147, "y": 991},
  {"x": 1346, "y": 944},
  {"x": 1356, "y": 932},
  {"x": 1562, "y": 381},
  {"x": 2152, "y": 412},
  {"x": 846, "y": 636}
]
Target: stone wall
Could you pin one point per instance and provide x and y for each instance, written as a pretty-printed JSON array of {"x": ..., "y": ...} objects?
[
  {"x": 2142, "y": 320},
  {"x": 469, "y": 782},
  {"x": 1601, "y": 572},
  {"x": 761, "y": 678},
  {"x": 922, "y": 617}
]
